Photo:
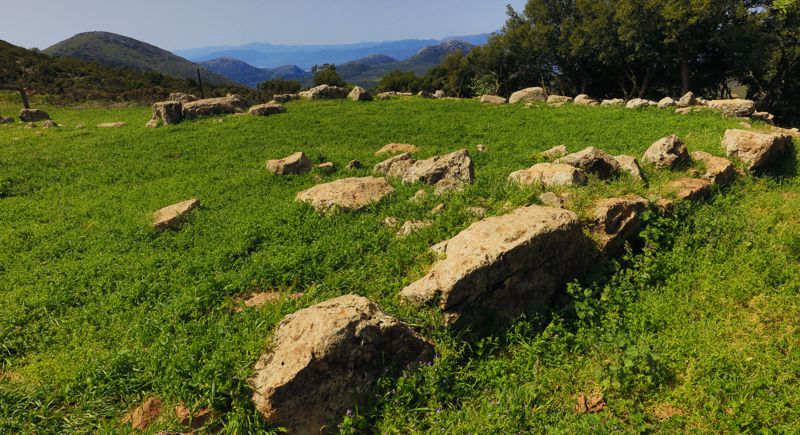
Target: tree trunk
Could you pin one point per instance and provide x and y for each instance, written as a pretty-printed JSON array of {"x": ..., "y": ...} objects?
[
  {"x": 24, "y": 96},
  {"x": 684, "y": 72},
  {"x": 646, "y": 83}
]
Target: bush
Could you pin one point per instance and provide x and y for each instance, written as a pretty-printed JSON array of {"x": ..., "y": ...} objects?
[
  {"x": 277, "y": 86},
  {"x": 399, "y": 81}
]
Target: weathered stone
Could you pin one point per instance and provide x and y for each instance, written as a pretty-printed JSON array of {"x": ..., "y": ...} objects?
[
  {"x": 181, "y": 97},
  {"x": 481, "y": 148},
  {"x": 528, "y": 95},
  {"x": 551, "y": 199},
  {"x": 688, "y": 100},
  {"x": 719, "y": 170},
  {"x": 411, "y": 227},
  {"x": 630, "y": 165},
  {"x": 49, "y": 124},
  {"x": 439, "y": 94},
  {"x": 756, "y": 150},
  {"x": 30, "y": 125},
  {"x": 271, "y": 108},
  {"x": 764, "y": 117},
  {"x": 666, "y": 103},
  {"x": 667, "y": 153},
  {"x": 259, "y": 299},
  {"x": 348, "y": 194},
  {"x": 615, "y": 221},
  {"x": 386, "y": 95},
  {"x": 493, "y": 99},
  {"x": 384, "y": 166},
  {"x": 325, "y": 359},
  {"x": 214, "y": 106},
  {"x": 325, "y": 168},
  {"x": 295, "y": 164},
  {"x": 419, "y": 196},
  {"x": 556, "y": 152},
  {"x": 193, "y": 420},
  {"x": 112, "y": 124},
  {"x": 558, "y": 100},
  {"x": 585, "y": 100},
  {"x": 454, "y": 166},
  {"x": 33, "y": 115},
  {"x": 447, "y": 185},
  {"x": 168, "y": 112},
  {"x": 153, "y": 123},
  {"x": 142, "y": 416},
  {"x": 4, "y": 120},
  {"x": 637, "y": 103},
  {"x": 548, "y": 175},
  {"x": 477, "y": 211},
  {"x": 505, "y": 266},
  {"x": 285, "y": 98},
  {"x": 691, "y": 189},
  {"x": 325, "y": 92},
  {"x": 592, "y": 160},
  {"x": 394, "y": 148},
  {"x": 438, "y": 209},
  {"x": 613, "y": 102},
  {"x": 735, "y": 108},
  {"x": 359, "y": 94},
  {"x": 171, "y": 217},
  {"x": 353, "y": 165}
]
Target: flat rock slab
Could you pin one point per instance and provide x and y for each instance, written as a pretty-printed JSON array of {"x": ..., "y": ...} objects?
[
  {"x": 592, "y": 160},
  {"x": 214, "y": 106},
  {"x": 756, "y": 150},
  {"x": 667, "y": 153},
  {"x": 719, "y": 170},
  {"x": 615, "y": 221},
  {"x": 171, "y": 217},
  {"x": 394, "y": 148},
  {"x": 548, "y": 175},
  {"x": 348, "y": 194},
  {"x": 505, "y": 266},
  {"x": 690, "y": 189},
  {"x": 112, "y": 124},
  {"x": 325, "y": 359},
  {"x": 454, "y": 166},
  {"x": 271, "y": 108},
  {"x": 295, "y": 164},
  {"x": 736, "y": 107}
]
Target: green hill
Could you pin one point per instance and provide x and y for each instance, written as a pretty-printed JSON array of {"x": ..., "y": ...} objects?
[{"x": 122, "y": 51}]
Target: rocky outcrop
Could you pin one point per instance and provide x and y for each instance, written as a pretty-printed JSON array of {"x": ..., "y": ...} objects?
[
  {"x": 325, "y": 92},
  {"x": 181, "y": 97},
  {"x": 359, "y": 94},
  {"x": 616, "y": 221},
  {"x": 295, "y": 164},
  {"x": 348, "y": 194},
  {"x": 719, "y": 170},
  {"x": 756, "y": 150},
  {"x": 33, "y": 115},
  {"x": 394, "y": 148},
  {"x": 168, "y": 112},
  {"x": 528, "y": 95},
  {"x": 325, "y": 359},
  {"x": 214, "y": 106},
  {"x": 630, "y": 165},
  {"x": 271, "y": 108},
  {"x": 505, "y": 266},
  {"x": 493, "y": 99},
  {"x": 548, "y": 175},
  {"x": 734, "y": 108},
  {"x": 667, "y": 153},
  {"x": 454, "y": 166},
  {"x": 592, "y": 160},
  {"x": 171, "y": 217},
  {"x": 690, "y": 189}
]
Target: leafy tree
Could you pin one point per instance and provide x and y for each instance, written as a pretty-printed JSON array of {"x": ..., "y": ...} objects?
[
  {"x": 454, "y": 76},
  {"x": 326, "y": 75},
  {"x": 276, "y": 86},
  {"x": 399, "y": 81}
]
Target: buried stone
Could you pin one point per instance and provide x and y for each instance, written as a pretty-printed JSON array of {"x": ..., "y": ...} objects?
[
  {"x": 505, "y": 266},
  {"x": 295, "y": 164},
  {"x": 592, "y": 160},
  {"x": 348, "y": 194},
  {"x": 548, "y": 175},
  {"x": 615, "y": 221},
  {"x": 325, "y": 359},
  {"x": 171, "y": 217}
]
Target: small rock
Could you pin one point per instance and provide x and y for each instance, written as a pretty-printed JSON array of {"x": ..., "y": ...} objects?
[
  {"x": 630, "y": 165},
  {"x": 454, "y": 166},
  {"x": 348, "y": 194},
  {"x": 613, "y": 102},
  {"x": 49, "y": 124},
  {"x": 168, "y": 112},
  {"x": 142, "y": 416},
  {"x": 30, "y": 125},
  {"x": 592, "y": 160},
  {"x": 448, "y": 186},
  {"x": 256, "y": 300},
  {"x": 551, "y": 199},
  {"x": 667, "y": 153},
  {"x": 112, "y": 124},
  {"x": 394, "y": 148},
  {"x": 410, "y": 227},
  {"x": 325, "y": 168},
  {"x": 384, "y": 166},
  {"x": 390, "y": 221},
  {"x": 493, "y": 99},
  {"x": 481, "y": 148},
  {"x": 548, "y": 175},
  {"x": 558, "y": 100},
  {"x": 419, "y": 196},
  {"x": 295, "y": 164},
  {"x": 691, "y": 189},
  {"x": 585, "y": 100},
  {"x": 590, "y": 405},
  {"x": 477, "y": 211},
  {"x": 765, "y": 117},
  {"x": 637, "y": 103},
  {"x": 193, "y": 420},
  {"x": 438, "y": 209},
  {"x": 439, "y": 94},
  {"x": 271, "y": 108},
  {"x": 528, "y": 95},
  {"x": 353, "y": 165},
  {"x": 555, "y": 152},
  {"x": 616, "y": 221},
  {"x": 153, "y": 123},
  {"x": 719, "y": 170},
  {"x": 687, "y": 100},
  {"x": 171, "y": 217},
  {"x": 666, "y": 103},
  {"x": 756, "y": 150}
]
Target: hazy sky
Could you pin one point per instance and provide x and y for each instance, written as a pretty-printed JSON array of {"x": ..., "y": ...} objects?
[{"x": 175, "y": 24}]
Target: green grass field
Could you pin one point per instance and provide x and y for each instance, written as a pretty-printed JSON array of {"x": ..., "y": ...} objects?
[{"x": 100, "y": 312}]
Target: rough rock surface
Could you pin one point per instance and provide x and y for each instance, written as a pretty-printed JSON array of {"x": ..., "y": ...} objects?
[
  {"x": 719, "y": 170},
  {"x": 447, "y": 185},
  {"x": 615, "y": 221},
  {"x": 295, "y": 164},
  {"x": 637, "y": 103},
  {"x": 33, "y": 115},
  {"x": 558, "y": 100},
  {"x": 666, "y": 102},
  {"x": 171, "y": 217},
  {"x": 112, "y": 124},
  {"x": 493, "y": 99},
  {"x": 348, "y": 194},
  {"x": 687, "y": 100},
  {"x": 325, "y": 92},
  {"x": 505, "y": 265},
  {"x": 168, "y": 112},
  {"x": 585, "y": 100},
  {"x": 384, "y": 166},
  {"x": 613, "y": 102},
  {"x": 411, "y": 227},
  {"x": 765, "y": 117},
  {"x": 359, "y": 94},
  {"x": 394, "y": 148},
  {"x": 439, "y": 94},
  {"x": 691, "y": 189},
  {"x": 735, "y": 107},
  {"x": 548, "y": 175},
  {"x": 215, "y": 106},
  {"x": 4, "y": 120},
  {"x": 454, "y": 166},
  {"x": 552, "y": 199},
  {"x": 756, "y": 150},
  {"x": 630, "y": 165},
  {"x": 592, "y": 160},
  {"x": 555, "y": 152},
  {"x": 481, "y": 148},
  {"x": 271, "y": 108},
  {"x": 181, "y": 97},
  {"x": 142, "y": 416},
  {"x": 49, "y": 124},
  {"x": 325, "y": 359},
  {"x": 528, "y": 95},
  {"x": 285, "y": 98},
  {"x": 666, "y": 153}
]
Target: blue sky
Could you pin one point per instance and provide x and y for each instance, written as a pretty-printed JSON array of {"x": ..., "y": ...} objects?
[{"x": 176, "y": 24}]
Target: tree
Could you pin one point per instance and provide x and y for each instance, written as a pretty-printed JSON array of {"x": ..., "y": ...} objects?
[
  {"x": 326, "y": 75},
  {"x": 277, "y": 86},
  {"x": 399, "y": 81}
]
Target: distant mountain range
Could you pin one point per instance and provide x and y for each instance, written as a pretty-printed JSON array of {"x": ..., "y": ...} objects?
[
  {"x": 121, "y": 51},
  {"x": 246, "y": 74}
]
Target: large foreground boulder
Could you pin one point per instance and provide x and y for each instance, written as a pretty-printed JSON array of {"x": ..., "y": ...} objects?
[
  {"x": 325, "y": 92},
  {"x": 756, "y": 150},
  {"x": 348, "y": 194},
  {"x": 592, "y": 160},
  {"x": 325, "y": 359},
  {"x": 667, "y": 153},
  {"x": 548, "y": 175},
  {"x": 505, "y": 266},
  {"x": 214, "y": 106},
  {"x": 528, "y": 95},
  {"x": 33, "y": 115},
  {"x": 616, "y": 221},
  {"x": 454, "y": 166},
  {"x": 295, "y": 164},
  {"x": 271, "y": 108},
  {"x": 735, "y": 108},
  {"x": 168, "y": 112}
]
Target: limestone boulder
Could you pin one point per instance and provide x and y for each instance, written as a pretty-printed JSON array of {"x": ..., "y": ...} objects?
[
  {"x": 325, "y": 359},
  {"x": 215, "y": 106},
  {"x": 493, "y": 99},
  {"x": 613, "y": 102},
  {"x": 325, "y": 92},
  {"x": 666, "y": 103},
  {"x": 637, "y": 103},
  {"x": 168, "y": 112},
  {"x": 687, "y": 100},
  {"x": 171, "y": 217},
  {"x": 593, "y": 160},
  {"x": 359, "y": 94},
  {"x": 112, "y": 125},
  {"x": 528, "y": 95},
  {"x": 439, "y": 94},
  {"x": 690, "y": 189},
  {"x": 736, "y": 107},
  {"x": 756, "y": 150},
  {"x": 394, "y": 148},
  {"x": 457, "y": 166},
  {"x": 548, "y": 175},
  {"x": 285, "y": 98},
  {"x": 33, "y": 115},
  {"x": 271, "y": 108},
  {"x": 764, "y": 117},
  {"x": 558, "y": 100},
  {"x": 49, "y": 124},
  {"x": 585, "y": 100},
  {"x": 556, "y": 152},
  {"x": 718, "y": 170},
  {"x": 505, "y": 266},
  {"x": 616, "y": 221},
  {"x": 384, "y": 166},
  {"x": 181, "y": 97},
  {"x": 630, "y": 165},
  {"x": 667, "y": 153},
  {"x": 348, "y": 194},
  {"x": 295, "y": 164}
]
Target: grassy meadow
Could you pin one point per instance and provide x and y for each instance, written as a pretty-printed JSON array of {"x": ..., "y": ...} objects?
[{"x": 698, "y": 332}]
